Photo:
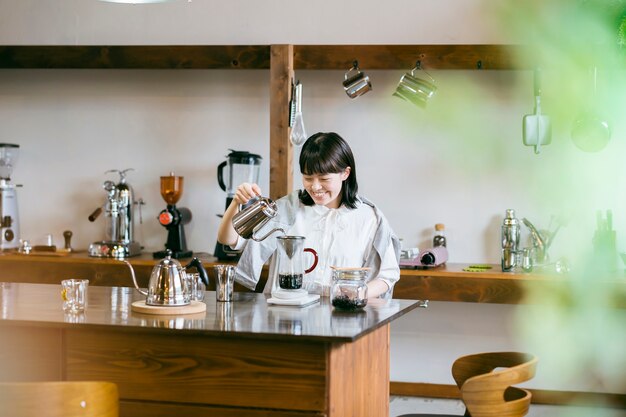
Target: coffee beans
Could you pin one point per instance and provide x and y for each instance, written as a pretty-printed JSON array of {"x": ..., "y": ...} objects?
[
  {"x": 290, "y": 281},
  {"x": 345, "y": 303}
]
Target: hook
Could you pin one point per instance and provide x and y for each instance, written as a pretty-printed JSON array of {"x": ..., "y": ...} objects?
[
  {"x": 355, "y": 64},
  {"x": 418, "y": 64}
]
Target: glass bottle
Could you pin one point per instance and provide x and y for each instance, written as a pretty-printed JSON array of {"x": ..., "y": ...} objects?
[
  {"x": 510, "y": 240},
  {"x": 349, "y": 289},
  {"x": 440, "y": 238}
]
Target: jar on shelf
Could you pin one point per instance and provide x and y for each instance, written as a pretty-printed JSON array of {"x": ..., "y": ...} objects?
[{"x": 349, "y": 288}]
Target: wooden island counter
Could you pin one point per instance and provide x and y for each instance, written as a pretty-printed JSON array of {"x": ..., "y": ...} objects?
[{"x": 244, "y": 358}]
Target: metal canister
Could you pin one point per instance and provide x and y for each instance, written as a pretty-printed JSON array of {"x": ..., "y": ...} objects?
[{"x": 510, "y": 240}]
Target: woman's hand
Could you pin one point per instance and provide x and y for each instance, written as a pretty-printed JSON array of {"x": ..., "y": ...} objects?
[
  {"x": 226, "y": 233},
  {"x": 376, "y": 287},
  {"x": 245, "y": 192}
]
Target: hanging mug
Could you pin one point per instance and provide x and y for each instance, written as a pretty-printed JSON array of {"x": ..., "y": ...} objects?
[
  {"x": 355, "y": 82},
  {"x": 414, "y": 89}
]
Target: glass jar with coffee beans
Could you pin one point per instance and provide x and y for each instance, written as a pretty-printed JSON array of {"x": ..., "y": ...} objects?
[{"x": 349, "y": 289}]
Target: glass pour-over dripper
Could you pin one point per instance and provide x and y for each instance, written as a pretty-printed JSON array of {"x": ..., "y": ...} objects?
[{"x": 291, "y": 263}]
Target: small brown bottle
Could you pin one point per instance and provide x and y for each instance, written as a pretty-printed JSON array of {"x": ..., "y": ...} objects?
[{"x": 440, "y": 238}]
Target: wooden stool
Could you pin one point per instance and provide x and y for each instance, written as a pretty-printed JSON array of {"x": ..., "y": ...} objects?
[
  {"x": 486, "y": 390},
  {"x": 59, "y": 399}
]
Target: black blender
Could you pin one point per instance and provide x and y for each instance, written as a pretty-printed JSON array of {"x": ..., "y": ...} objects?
[
  {"x": 173, "y": 219},
  {"x": 242, "y": 167}
]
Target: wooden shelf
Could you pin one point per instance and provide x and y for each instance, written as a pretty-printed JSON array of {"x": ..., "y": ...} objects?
[
  {"x": 136, "y": 57},
  {"x": 315, "y": 57},
  {"x": 446, "y": 283},
  {"x": 388, "y": 57},
  {"x": 451, "y": 283}
]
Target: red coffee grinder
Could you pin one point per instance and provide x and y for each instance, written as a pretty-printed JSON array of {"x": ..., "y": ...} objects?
[{"x": 173, "y": 218}]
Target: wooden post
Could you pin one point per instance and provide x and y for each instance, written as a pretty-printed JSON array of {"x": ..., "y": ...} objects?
[{"x": 281, "y": 149}]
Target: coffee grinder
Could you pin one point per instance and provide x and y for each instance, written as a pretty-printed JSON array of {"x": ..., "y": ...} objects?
[
  {"x": 9, "y": 221},
  {"x": 242, "y": 167},
  {"x": 174, "y": 218}
]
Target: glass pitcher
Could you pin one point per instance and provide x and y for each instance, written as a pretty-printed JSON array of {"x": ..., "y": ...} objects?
[{"x": 291, "y": 263}]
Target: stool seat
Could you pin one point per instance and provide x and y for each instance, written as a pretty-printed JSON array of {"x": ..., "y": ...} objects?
[{"x": 59, "y": 399}]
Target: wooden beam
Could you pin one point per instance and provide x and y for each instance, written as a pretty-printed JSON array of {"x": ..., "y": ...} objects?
[
  {"x": 136, "y": 56},
  {"x": 281, "y": 149},
  {"x": 386, "y": 57}
]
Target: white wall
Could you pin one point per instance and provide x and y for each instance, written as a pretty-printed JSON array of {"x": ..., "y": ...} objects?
[{"x": 461, "y": 162}]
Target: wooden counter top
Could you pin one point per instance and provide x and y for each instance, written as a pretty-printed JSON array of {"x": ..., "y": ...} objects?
[
  {"x": 249, "y": 315},
  {"x": 445, "y": 283}
]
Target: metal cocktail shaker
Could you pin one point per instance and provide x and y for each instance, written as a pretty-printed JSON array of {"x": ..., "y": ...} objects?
[{"x": 510, "y": 240}]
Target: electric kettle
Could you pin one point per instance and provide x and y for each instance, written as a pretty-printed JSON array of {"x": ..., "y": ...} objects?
[
  {"x": 258, "y": 211},
  {"x": 168, "y": 285}
]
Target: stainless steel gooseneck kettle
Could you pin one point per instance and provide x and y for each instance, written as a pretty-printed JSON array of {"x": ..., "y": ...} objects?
[
  {"x": 168, "y": 285},
  {"x": 249, "y": 220}
]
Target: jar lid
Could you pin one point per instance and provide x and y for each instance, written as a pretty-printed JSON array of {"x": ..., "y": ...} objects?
[{"x": 349, "y": 273}]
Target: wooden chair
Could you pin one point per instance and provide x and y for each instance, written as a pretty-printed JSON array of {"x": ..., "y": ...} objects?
[
  {"x": 59, "y": 399},
  {"x": 486, "y": 389}
]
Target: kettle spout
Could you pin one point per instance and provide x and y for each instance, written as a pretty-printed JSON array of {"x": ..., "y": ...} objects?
[{"x": 132, "y": 273}]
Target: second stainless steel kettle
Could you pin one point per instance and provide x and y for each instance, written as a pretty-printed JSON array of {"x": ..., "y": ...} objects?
[{"x": 249, "y": 220}]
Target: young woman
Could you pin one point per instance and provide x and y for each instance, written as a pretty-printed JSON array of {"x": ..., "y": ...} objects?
[{"x": 345, "y": 229}]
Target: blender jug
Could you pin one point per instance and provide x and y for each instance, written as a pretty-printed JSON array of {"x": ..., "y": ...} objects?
[
  {"x": 9, "y": 219},
  {"x": 242, "y": 167},
  {"x": 291, "y": 263}
]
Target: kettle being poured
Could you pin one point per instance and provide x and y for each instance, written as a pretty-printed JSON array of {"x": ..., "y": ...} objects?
[{"x": 257, "y": 213}]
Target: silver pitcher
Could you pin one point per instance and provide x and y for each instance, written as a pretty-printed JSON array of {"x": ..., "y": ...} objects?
[{"x": 249, "y": 220}]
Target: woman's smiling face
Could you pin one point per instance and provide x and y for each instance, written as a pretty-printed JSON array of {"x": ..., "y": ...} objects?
[{"x": 325, "y": 189}]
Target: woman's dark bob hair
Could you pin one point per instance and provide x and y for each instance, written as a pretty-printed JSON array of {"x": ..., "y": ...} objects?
[{"x": 328, "y": 153}]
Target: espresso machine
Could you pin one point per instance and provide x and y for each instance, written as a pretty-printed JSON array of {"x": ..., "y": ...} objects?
[
  {"x": 173, "y": 219},
  {"x": 119, "y": 228},
  {"x": 242, "y": 166},
  {"x": 9, "y": 220}
]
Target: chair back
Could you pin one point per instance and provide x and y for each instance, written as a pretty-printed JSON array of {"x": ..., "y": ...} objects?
[
  {"x": 59, "y": 399},
  {"x": 486, "y": 389}
]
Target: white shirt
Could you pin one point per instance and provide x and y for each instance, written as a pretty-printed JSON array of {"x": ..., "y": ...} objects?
[{"x": 341, "y": 237}]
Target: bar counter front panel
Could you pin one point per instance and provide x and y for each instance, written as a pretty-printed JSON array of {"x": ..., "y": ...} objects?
[{"x": 244, "y": 358}]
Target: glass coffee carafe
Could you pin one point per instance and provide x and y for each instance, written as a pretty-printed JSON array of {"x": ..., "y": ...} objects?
[{"x": 291, "y": 268}]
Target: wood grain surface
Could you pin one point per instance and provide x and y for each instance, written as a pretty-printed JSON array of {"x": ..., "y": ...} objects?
[
  {"x": 136, "y": 56},
  {"x": 281, "y": 149},
  {"x": 217, "y": 371}
]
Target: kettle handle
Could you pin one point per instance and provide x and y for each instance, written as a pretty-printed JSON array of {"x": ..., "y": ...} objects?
[
  {"x": 201, "y": 271},
  {"x": 132, "y": 273},
  {"x": 220, "y": 176}
]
